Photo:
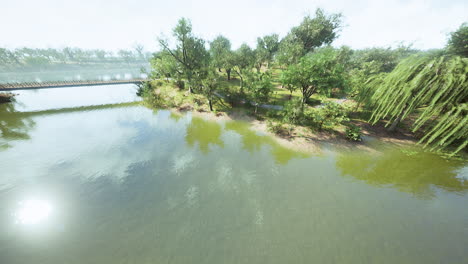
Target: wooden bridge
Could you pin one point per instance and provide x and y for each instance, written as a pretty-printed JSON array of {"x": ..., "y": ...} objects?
[{"x": 61, "y": 84}]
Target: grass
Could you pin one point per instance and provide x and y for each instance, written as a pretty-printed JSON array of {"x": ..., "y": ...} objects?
[{"x": 167, "y": 95}]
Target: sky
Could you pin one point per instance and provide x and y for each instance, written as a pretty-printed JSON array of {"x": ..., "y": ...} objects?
[{"x": 122, "y": 24}]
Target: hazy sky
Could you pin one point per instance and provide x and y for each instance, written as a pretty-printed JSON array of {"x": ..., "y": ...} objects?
[{"x": 118, "y": 24}]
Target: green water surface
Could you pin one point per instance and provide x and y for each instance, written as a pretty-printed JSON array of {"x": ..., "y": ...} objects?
[{"x": 90, "y": 176}]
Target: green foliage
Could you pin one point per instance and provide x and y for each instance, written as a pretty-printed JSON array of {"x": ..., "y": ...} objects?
[
  {"x": 164, "y": 65},
  {"x": 377, "y": 60},
  {"x": 259, "y": 87},
  {"x": 292, "y": 112},
  {"x": 144, "y": 89},
  {"x": 288, "y": 80},
  {"x": 363, "y": 86},
  {"x": 458, "y": 41},
  {"x": 209, "y": 85},
  {"x": 368, "y": 67},
  {"x": 436, "y": 85},
  {"x": 276, "y": 128},
  {"x": 290, "y": 51},
  {"x": 317, "y": 72},
  {"x": 243, "y": 61},
  {"x": 329, "y": 115},
  {"x": 220, "y": 50},
  {"x": 267, "y": 46},
  {"x": 190, "y": 54},
  {"x": 244, "y": 58},
  {"x": 312, "y": 33},
  {"x": 353, "y": 133}
]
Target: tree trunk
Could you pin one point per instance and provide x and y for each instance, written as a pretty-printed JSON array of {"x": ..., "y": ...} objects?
[
  {"x": 357, "y": 106},
  {"x": 241, "y": 84},
  {"x": 228, "y": 71},
  {"x": 395, "y": 123},
  {"x": 304, "y": 101},
  {"x": 211, "y": 105}
]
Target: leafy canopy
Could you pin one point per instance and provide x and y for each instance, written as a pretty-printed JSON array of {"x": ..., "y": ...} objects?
[
  {"x": 319, "y": 71},
  {"x": 312, "y": 33},
  {"x": 458, "y": 41},
  {"x": 438, "y": 87},
  {"x": 190, "y": 52},
  {"x": 220, "y": 50}
]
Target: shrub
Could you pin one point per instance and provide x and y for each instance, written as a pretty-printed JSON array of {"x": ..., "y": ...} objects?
[
  {"x": 292, "y": 112},
  {"x": 144, "y": 89},
  {"x": 180, "y": 84},
  {"x": 329, "y": 115},
  {"x": 276, "y": 128},
  {"x": 158, "y": 83},
  {"x": 353, "y": 133}
]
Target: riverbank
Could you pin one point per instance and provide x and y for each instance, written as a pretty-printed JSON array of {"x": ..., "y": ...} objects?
[
  {"x": 6, "y": 97},
  {"x": 266, "y": 121},
  {"x": 302, "y": 138}
]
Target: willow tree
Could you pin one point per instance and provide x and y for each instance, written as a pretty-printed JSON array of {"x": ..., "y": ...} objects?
[{"x": 435, "y": 87}]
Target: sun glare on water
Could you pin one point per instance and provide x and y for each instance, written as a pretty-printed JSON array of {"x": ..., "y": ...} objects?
[{"x": 34, "y": 211}]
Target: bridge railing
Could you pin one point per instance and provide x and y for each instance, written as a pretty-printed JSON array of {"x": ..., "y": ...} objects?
[{"x": 31, "y": 85}]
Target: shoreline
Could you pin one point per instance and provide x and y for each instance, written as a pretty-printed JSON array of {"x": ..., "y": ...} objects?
[
  {"x": 303, "y": 139},
  {"x": 6, "y": 97}
]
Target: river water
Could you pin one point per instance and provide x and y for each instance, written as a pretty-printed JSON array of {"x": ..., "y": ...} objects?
[{"x": 88, "y": 175}]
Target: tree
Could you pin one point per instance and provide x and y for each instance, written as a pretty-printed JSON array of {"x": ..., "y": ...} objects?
[
  {"x": 380, "y": 59},
  {"x": 165, "y": 66},
  {"x": 438, "y": 87},
  {"x": 209, "y": 86},
  {"x": 243, "y": 60},
  {"x": 221, "y": 54},
  {"x": 259, "y": 87},
  {"x": 267, "y": 46},
  {"x": 126, "y": 55},
  {"x": 458, "y": 41},
  {"x": 317, "y": 72},
  {"x": 290, "y": 51},
  {"x": 190, "y": 51},
  {"x": 312, "y": 33},
  {"x": 329, "y": 114},
  {"x": 287, "y": 80},
  {"x": 139, "y": 51}
]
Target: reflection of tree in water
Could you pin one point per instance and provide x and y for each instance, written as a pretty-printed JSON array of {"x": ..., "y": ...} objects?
[
  {"x": 204, "y": 133},
  {"x": 175, "y": 117},
  {"x": 251, "y": 142},
  {"x": 408, "y": 171},
  {"x": 12, "y": 125}
]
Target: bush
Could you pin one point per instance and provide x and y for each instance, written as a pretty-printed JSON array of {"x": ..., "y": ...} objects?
[
  {"x": 144, "y": 89},
  {"x": 353, "y": 133},
  {"x": 158, "y": 83},
  {"x": 277, "y": 128},
  {"x": 329, "y": 115},
  {"x": 292, "y": 112},
  {"x": 180, "y": 84}
]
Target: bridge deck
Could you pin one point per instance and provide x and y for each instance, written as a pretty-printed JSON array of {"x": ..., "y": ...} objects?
[{"x": 43, "y": 85}]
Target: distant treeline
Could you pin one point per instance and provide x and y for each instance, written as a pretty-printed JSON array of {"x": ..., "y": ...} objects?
[{"x": 28, "y": 58}]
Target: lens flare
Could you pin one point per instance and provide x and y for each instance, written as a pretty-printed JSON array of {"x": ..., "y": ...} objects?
[{"x": 33, "y": 212}]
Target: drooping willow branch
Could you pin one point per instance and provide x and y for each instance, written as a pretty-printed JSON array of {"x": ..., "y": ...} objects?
[{"x": 437, "y": 87}]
